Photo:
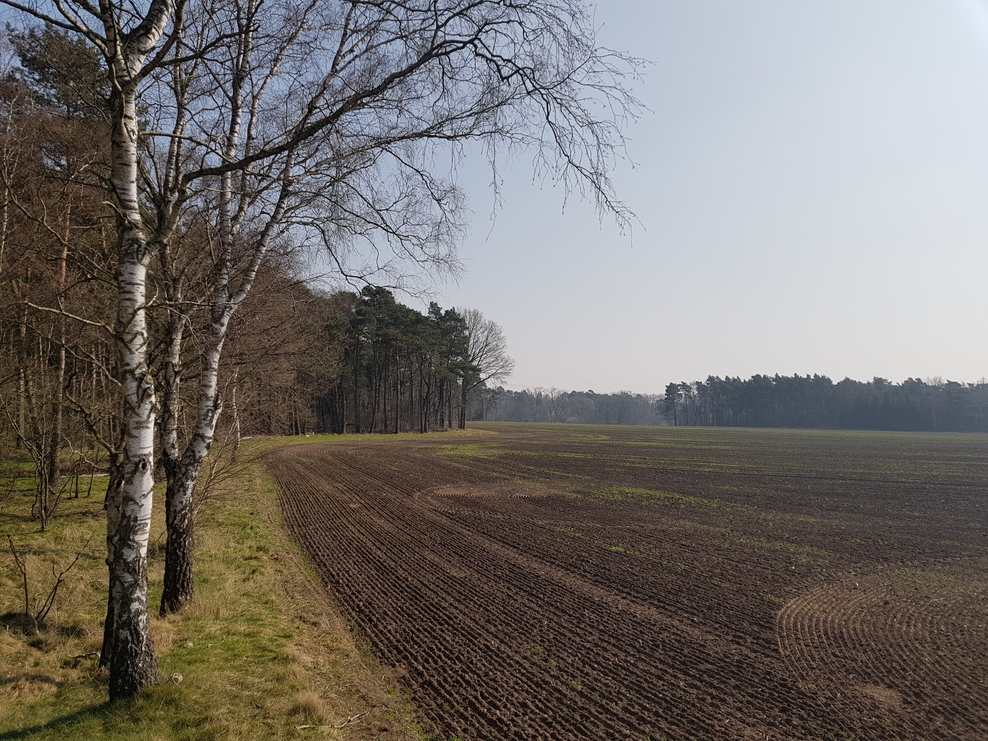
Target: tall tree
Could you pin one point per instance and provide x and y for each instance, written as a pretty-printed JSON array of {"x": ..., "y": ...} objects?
[
  {"x": 51, "y": 254},
  {"x": 325, "y": 115},
  {"x": 486, "y": 359},
  {"x": 125, "y": 52}
]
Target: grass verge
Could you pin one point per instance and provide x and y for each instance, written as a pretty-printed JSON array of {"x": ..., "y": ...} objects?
[{"x": 260, "y": 654}]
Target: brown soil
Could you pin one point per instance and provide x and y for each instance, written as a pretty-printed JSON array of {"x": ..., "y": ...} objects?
[{"x": 781, "y": 586}]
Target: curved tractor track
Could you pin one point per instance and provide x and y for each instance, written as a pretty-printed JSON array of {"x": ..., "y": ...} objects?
[
  {"x": 515, "y": 604},
  {"x": 912, "y": 642}
]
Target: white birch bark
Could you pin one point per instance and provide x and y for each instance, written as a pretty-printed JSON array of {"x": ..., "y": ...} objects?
[
  {"x": 183, "y": 472},
  {"x": 132, "y": 661},
  {"x": 363, "y": 94}
]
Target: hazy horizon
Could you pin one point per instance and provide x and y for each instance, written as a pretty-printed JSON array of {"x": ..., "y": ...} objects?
[{"x": 811, "y": 185}]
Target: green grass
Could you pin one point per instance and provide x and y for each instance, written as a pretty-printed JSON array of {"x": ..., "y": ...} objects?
[
  {"x": 470, "y": 450},
  {"x": 647, "y": 496},
  {"x": 259, "y": 653}
]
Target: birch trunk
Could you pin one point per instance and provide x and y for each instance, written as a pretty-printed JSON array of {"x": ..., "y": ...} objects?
[
  {"x": 132, "y": 661},
  {"x": 235, "y": 411},
  {"x": 183, "y": 473},
  {"x": 178, "y": 519}
]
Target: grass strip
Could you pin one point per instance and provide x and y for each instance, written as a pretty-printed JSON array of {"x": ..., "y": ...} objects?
[{"x": 260, "y": 654}]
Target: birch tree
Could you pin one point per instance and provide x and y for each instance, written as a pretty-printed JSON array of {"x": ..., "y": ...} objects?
[
  {"x": 335, "y": 123},
  {"x": 127, "y": 43},
  {"x": 487, "y": 357},
  {"x": 341, "y": 158}
]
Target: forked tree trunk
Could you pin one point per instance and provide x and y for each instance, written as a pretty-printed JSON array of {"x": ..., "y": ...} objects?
[
  {"x": 178, "y": 565},
  {"x": 183, "y": 473},
  {"x": 179, "y": 587}
]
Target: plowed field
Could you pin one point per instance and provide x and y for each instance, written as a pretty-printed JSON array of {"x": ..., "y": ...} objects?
[{"x": 561, "y": 582}]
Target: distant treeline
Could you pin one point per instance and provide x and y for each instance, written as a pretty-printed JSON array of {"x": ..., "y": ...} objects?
[
  {"x": 816, "y": 401},
  {"x": 574, "y": 407}
]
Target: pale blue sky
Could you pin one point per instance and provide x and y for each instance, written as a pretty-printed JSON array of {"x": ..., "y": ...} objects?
[
  {"x": 812, "y": 186},
  {"x": 812, "y": 189}
]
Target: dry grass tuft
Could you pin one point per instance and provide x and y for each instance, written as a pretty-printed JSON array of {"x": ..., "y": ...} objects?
[
  {"x": 164, "y": 633},
  {"x": 309, "y": 707},
  {"x": 26, "y": 688}
]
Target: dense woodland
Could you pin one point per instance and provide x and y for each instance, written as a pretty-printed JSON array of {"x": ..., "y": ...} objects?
[
  {"x": 296, "y": 360},
  {"x": 383, "y": 367},
  {"x": 934, "y": 405},
  {"x": 816, "y": 401}
]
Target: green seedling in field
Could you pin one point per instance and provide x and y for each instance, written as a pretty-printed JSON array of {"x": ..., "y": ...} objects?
[
  {"x": 648, "y": 496},
  {"x": 471, "y": 450}
]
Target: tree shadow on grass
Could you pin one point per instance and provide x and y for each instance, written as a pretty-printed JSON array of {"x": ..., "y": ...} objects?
[
  {"x": 57, "y": 726},
  {"x": 120, "y": 719}
]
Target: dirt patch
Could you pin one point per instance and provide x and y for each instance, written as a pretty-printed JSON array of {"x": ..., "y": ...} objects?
[{"x": 882, "y": 695}]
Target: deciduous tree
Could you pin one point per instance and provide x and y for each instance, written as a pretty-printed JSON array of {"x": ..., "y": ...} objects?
[{"x": 487, "y": 357}]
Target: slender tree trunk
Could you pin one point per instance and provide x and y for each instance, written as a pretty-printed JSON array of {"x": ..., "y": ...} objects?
[
  {"x": 183, "y": 473},
  {"x": 464, "y": 392},
  {"x": 178, "y": 576},
  {"x": 235, "y": 412},
  {"x": 356, "y": 394},
  {"x": 397, "y": 396},
  {"x": 179, "y": 588},
  {"x": 133, "y": 665},
  {"x": 49, "y": 432},
  {"x": 58, "y": 402},
  {"x": 22, "y": 380}
]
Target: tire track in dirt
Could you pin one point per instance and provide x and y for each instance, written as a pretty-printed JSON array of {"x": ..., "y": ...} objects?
[{"x": 912, "y": 642}]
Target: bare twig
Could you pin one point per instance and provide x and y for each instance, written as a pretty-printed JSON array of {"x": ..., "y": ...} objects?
[
  {"x": 350, "y": 720},
  {"x": 20, "y": 559},
  {"x": 50, "y": 599},
  {"x": 22, "y": 567},
  {"x": 347, "y": 722}
]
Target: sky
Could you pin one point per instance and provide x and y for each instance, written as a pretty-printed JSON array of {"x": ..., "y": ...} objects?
[{"x": 811, "y": 188}]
